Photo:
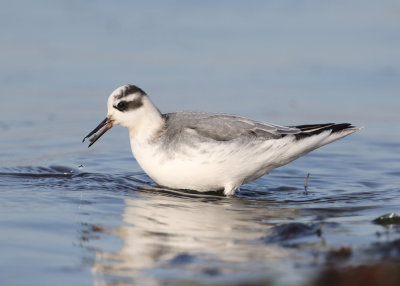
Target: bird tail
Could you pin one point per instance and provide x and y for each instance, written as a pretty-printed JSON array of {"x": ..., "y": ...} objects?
[{"x": 337, "y": 131}]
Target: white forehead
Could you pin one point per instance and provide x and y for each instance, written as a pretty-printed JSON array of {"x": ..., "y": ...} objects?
[{"x": 118, "y": 91}]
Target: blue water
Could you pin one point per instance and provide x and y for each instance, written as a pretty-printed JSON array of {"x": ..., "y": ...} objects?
[{"x": 70, "y": 215}]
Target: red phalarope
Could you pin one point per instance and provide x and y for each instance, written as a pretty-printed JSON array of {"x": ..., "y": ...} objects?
[{"x": 208, "y": 151}]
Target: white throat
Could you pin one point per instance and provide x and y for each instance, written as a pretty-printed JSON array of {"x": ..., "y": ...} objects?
[{"x": 147, "y": 122}]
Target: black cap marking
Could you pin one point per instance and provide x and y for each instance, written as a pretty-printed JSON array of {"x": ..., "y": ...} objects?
[{"x": 130, "y": 89}]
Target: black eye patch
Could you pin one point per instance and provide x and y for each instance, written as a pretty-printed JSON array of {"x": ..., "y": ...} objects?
[
  {"x": 121, "y": 106},
  {"x": 129, "y": 105}
]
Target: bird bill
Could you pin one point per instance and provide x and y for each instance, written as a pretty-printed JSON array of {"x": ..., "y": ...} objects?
[{"x": 99, "y": 131}]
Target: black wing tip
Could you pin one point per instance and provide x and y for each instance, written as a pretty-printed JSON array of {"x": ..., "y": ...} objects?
[
  {"x": 342, "y": 126},
  {"x": 314, "y": 129}
]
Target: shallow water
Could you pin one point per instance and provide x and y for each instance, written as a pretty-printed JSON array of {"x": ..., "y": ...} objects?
[
  {"x": 70, "y": 215},
  {"x": 98, "y": 223}
]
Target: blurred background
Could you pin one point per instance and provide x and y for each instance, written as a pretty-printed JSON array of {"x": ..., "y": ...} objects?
[
  {"x": 286, "y": 62},
  {"x": 74, "y": 215}
]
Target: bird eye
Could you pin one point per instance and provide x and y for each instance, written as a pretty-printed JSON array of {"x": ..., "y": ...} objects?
[{"x": 121, "y": 105}]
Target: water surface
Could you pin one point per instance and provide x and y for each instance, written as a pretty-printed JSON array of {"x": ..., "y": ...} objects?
[{"x": 77, "y": 216}]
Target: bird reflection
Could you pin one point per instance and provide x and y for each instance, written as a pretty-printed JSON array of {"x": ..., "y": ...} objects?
[{"x": 202, "y": 234}]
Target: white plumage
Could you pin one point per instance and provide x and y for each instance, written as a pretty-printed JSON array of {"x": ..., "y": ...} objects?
[{"x": 206, "y": 151}]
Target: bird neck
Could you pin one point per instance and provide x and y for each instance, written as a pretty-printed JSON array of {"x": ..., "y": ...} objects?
[{"x": 149, "y": 126}]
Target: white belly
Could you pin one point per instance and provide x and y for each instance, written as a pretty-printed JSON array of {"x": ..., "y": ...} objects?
[
  {"x": 221, "y": 165},
  {"x": 205, "y": 167},
  {"x": 193, "y": 171}
]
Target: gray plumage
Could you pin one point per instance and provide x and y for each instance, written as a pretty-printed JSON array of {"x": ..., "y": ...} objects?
[
  {"x": 208, "y": 151},
  {"x": 221, "y": 127}
]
